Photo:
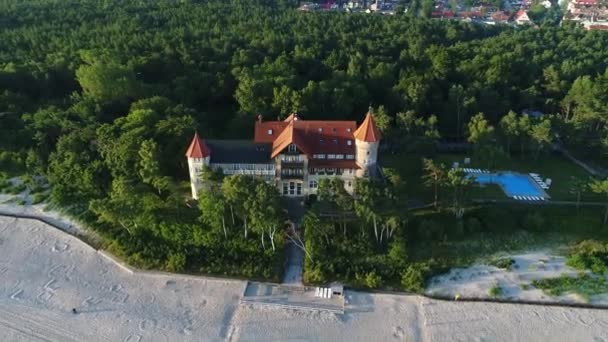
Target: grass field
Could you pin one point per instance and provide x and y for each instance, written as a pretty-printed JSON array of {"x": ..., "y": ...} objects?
[{"x": 554, "y": 166}]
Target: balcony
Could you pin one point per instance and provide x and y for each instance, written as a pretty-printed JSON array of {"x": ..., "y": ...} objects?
[
  {"x": 250, "y": 172},
  {"x": 293, "y": 164}
]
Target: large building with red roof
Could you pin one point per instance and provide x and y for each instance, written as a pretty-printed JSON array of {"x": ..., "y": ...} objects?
[{"x": 294, "y": 153}]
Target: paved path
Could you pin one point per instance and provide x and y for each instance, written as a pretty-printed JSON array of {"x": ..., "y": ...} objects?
[{"x": 295, "y": 256}]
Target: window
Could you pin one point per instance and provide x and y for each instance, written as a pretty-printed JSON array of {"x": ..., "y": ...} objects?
[
  {"x": 350, "y": 171},
  {"x": 331, "y": 156},
  {"x": 269, "y": 132},
  {"x": 349, "y": 142},
  {"x": 320, "y": 129},
  {"x": 349, "y": 184},
  {"x": 350, "y": 156},
  {"x": 285, "y": 188},
  {"x": 299, "y": 189},
  {"x": 292, "y": 148},
  {"x": 313, "y": 184},
  {"x": 339, "y": 156},
  {"x": 368, "y": 153},
  {"x": 319, "y": 156}
]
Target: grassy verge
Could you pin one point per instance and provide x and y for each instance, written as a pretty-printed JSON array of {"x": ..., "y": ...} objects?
[{"x": 585, "y": 285}]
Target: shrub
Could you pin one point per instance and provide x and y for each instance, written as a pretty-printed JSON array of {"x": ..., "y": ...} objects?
[
  {"x": 496, "y": 291},
  {"x": 473, "y": 225},
  {"x": 429, "y": 229},
  {"x": 397, "y": 253},
  {"x": 314, "y": 275},
  {"x": 39, "y": 197},
  {"x": 176, "y": 262},
  {"x": 370, "y": 280},
  {"x": 534, "y": 221},
  {"x": 16, "y": 189},
  {"x": 504, "y": 263},
  {"x": 589, "y": 255},
  {"x": 414, "y": 277}
]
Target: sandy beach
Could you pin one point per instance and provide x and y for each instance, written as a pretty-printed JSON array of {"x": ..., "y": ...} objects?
[{"x": 44, "y": 273}]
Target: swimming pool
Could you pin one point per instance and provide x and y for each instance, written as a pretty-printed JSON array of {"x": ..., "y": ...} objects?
[{"x": 513, "y": 184}]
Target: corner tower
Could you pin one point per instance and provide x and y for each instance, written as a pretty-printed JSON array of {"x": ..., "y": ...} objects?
[
  {"x": 198, "y": 155},
  {"x": 367, "y": 140}
]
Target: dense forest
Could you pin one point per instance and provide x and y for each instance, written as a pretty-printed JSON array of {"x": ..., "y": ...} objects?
[{"x": 102, "y": 97}]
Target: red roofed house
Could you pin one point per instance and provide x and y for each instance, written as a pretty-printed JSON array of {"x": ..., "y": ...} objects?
[
  {"x": 294, "y": 153},
  {"x": 521, "y": 18}
]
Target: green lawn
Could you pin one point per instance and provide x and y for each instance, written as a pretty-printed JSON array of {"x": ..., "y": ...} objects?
[{"x": 553, "y": 166}]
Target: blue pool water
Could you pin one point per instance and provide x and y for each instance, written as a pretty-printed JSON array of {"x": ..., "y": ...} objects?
[{"x": 513, "y": 184}]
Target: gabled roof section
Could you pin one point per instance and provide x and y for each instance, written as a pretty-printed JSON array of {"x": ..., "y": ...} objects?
[
  {"x": 198, "y": 148},
  {"x": 290, "y": 135},
  {"x": 368, "y": 131}
]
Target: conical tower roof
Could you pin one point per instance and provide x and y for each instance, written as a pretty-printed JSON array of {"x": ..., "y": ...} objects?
[
  {"x": 198, "y": 148},
  {"x": 368, "y": 131}
]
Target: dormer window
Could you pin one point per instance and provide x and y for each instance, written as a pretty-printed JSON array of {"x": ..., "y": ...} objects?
[
  {"x": 320, "y": 129},
  {"x": 269, "y": 132},
  {"x": 349, "y": 142},
  {"x": 292, "y": 148}
]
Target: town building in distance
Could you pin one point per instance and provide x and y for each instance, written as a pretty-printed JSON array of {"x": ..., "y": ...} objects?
[{"x": 294, "y": 154}]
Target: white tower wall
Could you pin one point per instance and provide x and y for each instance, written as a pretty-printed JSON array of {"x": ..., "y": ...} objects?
[
  {"x": 367, "y": 156},
  {"x": 195, "y": 167}
]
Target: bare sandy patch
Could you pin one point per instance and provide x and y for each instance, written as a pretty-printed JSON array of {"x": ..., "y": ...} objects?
[{"x": 478, "y": 280}]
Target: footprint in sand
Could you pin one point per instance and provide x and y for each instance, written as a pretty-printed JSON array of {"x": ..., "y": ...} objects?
[
  {"x": 17, "y": 294},
  {"x": 398, "y": 332},
  {"x": 91, "y": 301},
  {"x": 60, "y": 247},
  {"x": 147, "y": 324},
  {"x": 147, "y": 299},
  {"x": 49, "y": 285},
  {"x": 44, "y": 296},
  {"x": 132, "y": 338}
]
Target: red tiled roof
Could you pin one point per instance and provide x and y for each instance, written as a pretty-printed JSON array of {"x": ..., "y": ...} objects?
[
  {"x": 338, "y": 164},
  {"x": 368, "y": 131},
  {"x": 309, "y": 136},
  {"x": 521, "y": 13},
  {"x": 586, "y": 2},
  {"x": 198, "y": 148},
  {"x": 597, "y": 27}
]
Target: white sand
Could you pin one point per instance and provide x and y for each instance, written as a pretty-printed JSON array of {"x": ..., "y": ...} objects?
[
  {"x": 477, "y": 280},
  {"x": 44, "y": 273}
]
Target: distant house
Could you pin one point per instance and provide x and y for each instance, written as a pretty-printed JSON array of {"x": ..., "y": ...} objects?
[
  {"x": 596, "y": 26},
  {"x": 585, "y": 2},
  {"x": 522, "y": 18},
  {"x": 500, "y": 17},
  {"x": 442, "y": 14}
]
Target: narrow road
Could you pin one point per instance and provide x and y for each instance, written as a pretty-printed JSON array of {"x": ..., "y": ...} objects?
[{"x": 294, "y": 265}]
